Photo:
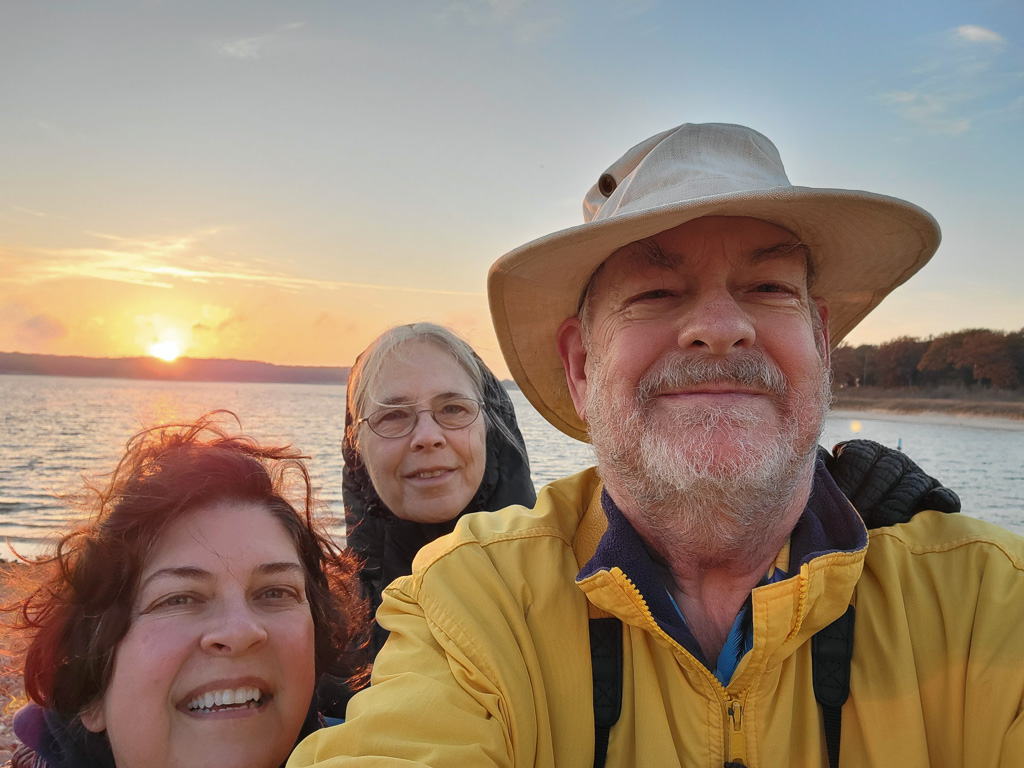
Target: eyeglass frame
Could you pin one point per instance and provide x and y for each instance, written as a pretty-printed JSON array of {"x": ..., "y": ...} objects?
[{"x": 416, "y": 413}]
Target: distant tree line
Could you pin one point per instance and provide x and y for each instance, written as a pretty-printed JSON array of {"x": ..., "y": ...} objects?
[{"x": 975, "y": 357}]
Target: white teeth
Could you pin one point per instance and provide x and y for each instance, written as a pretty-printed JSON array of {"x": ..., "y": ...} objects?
[
  {"x": 225, "y": 698},
  {"x": 432, "y": 473}
]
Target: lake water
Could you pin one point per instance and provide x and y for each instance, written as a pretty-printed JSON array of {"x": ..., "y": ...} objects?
[{"x": 52, "y": 430}]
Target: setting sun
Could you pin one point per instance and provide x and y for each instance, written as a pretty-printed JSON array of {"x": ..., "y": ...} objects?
[{"x": 165, "y": 350}]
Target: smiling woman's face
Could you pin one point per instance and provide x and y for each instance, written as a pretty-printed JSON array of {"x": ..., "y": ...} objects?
[
  {"x": 431, "y": 474},
  {"x": 217, "y": 667}
]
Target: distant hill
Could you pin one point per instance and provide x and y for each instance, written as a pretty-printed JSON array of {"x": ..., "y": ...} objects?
[{"x": 182, "y": 369}]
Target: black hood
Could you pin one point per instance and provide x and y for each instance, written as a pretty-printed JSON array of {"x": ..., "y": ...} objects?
[{"x": 388, "y": 544}]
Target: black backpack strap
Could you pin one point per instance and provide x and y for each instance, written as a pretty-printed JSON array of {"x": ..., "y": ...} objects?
[
  {"x": 831, "y": 655},
  {"x": 606, "y": 664}
]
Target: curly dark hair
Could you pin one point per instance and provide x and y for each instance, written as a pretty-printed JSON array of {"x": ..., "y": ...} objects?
[{"x": 81, "y": 609}]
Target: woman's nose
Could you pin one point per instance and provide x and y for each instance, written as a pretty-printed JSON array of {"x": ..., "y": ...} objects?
[
  {"x": 427, "y": 433},
  {"x": 234, "y": 630}
]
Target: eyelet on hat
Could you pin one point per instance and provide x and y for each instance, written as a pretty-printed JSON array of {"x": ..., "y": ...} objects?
[{"x": 606, "y": 184}]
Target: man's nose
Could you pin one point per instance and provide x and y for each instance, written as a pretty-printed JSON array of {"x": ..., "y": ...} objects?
[
  {"x": 427, "y": 433},
  {"x": 717, "y": 323},
  {"x": 234, "y": 630}
]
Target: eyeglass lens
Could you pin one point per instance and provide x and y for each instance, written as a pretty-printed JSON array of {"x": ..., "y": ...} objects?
[{"x": 398, "y": 421}]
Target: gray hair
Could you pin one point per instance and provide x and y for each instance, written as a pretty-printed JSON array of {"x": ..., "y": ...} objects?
[{"x": 365, "y": 374}]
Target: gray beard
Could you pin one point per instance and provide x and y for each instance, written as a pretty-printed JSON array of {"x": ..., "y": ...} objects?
[{"x": 716, "y": 481}]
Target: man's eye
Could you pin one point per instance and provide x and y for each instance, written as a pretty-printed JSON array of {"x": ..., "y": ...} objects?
[
  {"x": 653, "y": 295},
  {"x": 772, "y": 288}
]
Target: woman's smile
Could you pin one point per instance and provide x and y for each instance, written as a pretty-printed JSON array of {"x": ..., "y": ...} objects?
[{"x": 432, "y": 473}]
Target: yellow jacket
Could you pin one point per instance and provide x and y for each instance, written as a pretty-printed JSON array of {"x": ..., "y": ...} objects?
[{"x": 488, "y": 661}]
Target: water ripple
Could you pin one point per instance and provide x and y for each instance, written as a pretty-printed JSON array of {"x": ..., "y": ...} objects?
[{"x": 54, "y": 430}]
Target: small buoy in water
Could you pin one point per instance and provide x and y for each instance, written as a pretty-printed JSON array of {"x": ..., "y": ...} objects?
[{"x": 899, "y": 444}]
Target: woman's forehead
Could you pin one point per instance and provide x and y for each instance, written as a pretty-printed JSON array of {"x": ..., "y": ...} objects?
[
  {"x": 208, "y": 536},
  {"x": 419, "y": 371}
]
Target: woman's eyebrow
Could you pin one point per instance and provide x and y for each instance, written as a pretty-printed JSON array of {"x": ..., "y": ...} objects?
[
  {"x": 273, "y": 569},
  {"x": 179, "y": 572},
  {"x": 399, "y": 400},
  {"x": 448, "y": 396}
]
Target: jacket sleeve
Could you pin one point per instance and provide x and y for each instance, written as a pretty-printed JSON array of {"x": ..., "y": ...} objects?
[{"x": 430, "y": 704}]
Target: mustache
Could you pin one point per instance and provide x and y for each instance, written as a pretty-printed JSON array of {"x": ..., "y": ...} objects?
[{"x": 750, "y": 369}]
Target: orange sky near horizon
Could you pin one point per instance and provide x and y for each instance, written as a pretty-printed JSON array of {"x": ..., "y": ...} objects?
[
  {"x": 282, "y": 182},
  {"x": 311, "y": 322}
]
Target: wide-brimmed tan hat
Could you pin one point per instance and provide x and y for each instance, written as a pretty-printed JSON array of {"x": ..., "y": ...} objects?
[{"x": 864, "y": 245}]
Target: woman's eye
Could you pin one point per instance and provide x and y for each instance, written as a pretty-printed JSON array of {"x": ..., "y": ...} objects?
[
  {"x": 453, "y": 409},
  {"x": 173, "y": 601},
  {"x": 395, "y": 414},
  {"x": 280, "y": 593}
]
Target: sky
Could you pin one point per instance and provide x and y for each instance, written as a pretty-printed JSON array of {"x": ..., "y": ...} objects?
[{"x": 281, "y": 181}]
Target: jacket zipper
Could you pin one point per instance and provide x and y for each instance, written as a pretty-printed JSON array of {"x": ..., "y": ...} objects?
[
  {"x": 735, "y": 739},
  {"x": 736, "y": 742}
]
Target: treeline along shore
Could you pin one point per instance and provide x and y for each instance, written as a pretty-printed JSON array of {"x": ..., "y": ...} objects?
[
  {"x": 182, "y": 369},
  {"x": 975, "y": 372}
]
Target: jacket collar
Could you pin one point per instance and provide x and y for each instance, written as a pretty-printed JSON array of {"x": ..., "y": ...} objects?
[{"x": 829, "y": 532}]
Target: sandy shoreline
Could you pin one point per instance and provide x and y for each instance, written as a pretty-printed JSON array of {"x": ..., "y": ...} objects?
[
  {"x": 12, "y": 695},
  {"x": 1008, "y": 414},
  {"x": 843, "y": 411}
]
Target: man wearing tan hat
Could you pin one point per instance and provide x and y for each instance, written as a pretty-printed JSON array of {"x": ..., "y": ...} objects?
[{"x": 706, "y": 596}]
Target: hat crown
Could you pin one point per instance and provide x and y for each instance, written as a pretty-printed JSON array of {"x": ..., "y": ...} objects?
[{"x": 686, "y": 163}]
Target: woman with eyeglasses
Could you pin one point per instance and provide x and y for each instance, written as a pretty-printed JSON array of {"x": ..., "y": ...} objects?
[{"x": 430, "y": 435}]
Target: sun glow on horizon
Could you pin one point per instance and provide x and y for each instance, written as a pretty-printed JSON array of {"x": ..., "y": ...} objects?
[{"x": 168, "y": 351}]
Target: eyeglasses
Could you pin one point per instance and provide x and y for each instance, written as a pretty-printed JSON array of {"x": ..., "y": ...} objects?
[{"x": 399, "y": 420}]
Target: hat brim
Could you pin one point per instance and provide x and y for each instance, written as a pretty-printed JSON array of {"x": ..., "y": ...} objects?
[{"x": 864, "y": 246}]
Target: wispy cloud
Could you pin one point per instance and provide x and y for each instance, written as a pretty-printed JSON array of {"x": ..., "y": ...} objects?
[
  {"x": 254, "y": 47},
  {"x": 164, "y": 262},
  {"x": 529, "y": 20},
  {"x": 29, "y": 211},
  {"x": 964, "y": 75},
  {"x": 973, "y": 34}
]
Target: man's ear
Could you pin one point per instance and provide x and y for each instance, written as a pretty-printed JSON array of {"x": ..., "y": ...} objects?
[
  {"x": 93, "y": 718},
  {"x": 573, "y": 352},
  {"x": 824, "y": 337}
]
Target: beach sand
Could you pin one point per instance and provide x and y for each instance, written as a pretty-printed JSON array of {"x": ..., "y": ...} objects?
[
  {"x": 12, "y": 695},
  {"x": 954, "y": 409}
]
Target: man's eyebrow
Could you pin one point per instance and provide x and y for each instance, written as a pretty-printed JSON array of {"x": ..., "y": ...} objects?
[
  {"x": 648, "y": 253},
  {"x": 780, "y": 251}
]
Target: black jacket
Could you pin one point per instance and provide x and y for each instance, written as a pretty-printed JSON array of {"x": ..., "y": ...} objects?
[{"x": 387, "y": 544}]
